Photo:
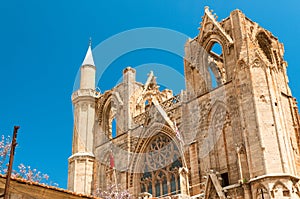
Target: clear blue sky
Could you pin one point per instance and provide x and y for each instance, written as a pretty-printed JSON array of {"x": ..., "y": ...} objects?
[{"x": 43, "y": 44}]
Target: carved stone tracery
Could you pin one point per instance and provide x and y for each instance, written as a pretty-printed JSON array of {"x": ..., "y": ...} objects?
[
  {"x": 265, "y": 44},
  {"x": 161, "y": 167}
]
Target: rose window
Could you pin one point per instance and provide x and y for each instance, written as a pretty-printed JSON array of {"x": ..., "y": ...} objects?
[{"x": 161, "y": 165}]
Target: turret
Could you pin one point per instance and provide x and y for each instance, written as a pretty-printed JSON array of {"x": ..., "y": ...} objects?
[
  {"x": 88, "y": 71},
  {"x": 82, "y": 159}
]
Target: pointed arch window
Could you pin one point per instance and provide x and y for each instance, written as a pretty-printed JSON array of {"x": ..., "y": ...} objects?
[
  {"x": 279, "y": 190},
  {"x": 214, "y": 83},
  {"x": 114, "y": 128},
  {"x": 217, "y": 49},
  {"x": 262, "y": 193},
  {"x": 265, "y": 44},
  {"x": 216, "y": 68},
  {"x": 162, "y": 163},
  {"x": 111, "y": 125}
]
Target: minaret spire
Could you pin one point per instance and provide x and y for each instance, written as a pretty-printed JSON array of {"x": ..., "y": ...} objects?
[
  {"x": 81, "y": 162},
  {"x": 88, "y": 70},
  {"x": 89, "y": 60}
]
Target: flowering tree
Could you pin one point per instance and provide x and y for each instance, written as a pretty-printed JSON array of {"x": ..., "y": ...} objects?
[
  {"x": 29, "y": 174},
  {"x": 113, "y": 192},
  {"x": 5, "y": 144},
  {"x": 24, "y": 172}
]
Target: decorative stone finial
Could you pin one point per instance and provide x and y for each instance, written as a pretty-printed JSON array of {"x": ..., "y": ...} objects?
[{"x": 90, "y": 42}]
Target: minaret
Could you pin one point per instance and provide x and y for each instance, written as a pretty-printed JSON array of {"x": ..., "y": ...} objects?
[{"x": 81, "y": 162}]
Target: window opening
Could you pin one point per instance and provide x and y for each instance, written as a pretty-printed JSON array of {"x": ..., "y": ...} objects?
[
  {"x": 216, "y": 66},
  {"x": 161, "y": 167},
  {"x": 217, "y": 49},
  {"x": 114, "y": 128},
  {"x": 225, "y": 179},
  {"x": 214, "y": 83},
  {"x": 265, "y": 44}
]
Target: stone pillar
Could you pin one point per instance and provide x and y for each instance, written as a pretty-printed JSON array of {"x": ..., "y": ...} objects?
[
  {"x": 195, "y": 181},
  {"x": 184, "y": 182},
  {"x": 129, "y": 83},
  {"x": 80, "y": 173},
  {"x": 247, "y": 191}
]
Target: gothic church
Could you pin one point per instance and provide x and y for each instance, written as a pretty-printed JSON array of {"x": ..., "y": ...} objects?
[{"x": 232, "y": 133}]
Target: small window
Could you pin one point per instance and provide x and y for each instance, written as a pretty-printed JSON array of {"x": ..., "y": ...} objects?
[
  {"x": 157, "y": 188},
  {"x": 225, "y": 179},
  {"x": 165, "y": 187},
  {"x": 114, "y": 128},
  {"x": 217, "y": 49},
  {"x": 173, "y": 184},
  {"x": 150, "y": 188},
  {"x": 146, "y": 102},
  {"x": 286, "y": 193},
  {"x": 214, "y": 83},
  {"x": 262, "y": 193},
  {"x": 216, "y": 66}
]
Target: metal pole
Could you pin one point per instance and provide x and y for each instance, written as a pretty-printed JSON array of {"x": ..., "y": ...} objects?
[{"x": 11, "y": 159}]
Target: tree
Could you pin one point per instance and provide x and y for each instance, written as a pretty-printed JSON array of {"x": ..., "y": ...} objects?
[
  {"x": 5, "y": 145},
  {"x": 23, "y": 172},
  {"x": 113, "y": 192}
]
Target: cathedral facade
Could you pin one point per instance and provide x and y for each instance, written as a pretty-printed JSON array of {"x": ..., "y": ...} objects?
[{"x": 232, "y": 133}]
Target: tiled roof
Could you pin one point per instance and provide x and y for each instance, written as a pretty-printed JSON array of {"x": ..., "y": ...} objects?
[{"x": 23, "y": 181}]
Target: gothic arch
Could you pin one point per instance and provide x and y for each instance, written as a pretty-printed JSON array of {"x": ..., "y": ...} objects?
[
  {"x": 108, "y": 169},
  {"x": 161, "y": 164},
  {"x": 265, "y": 44},
  {"x": 149, "y": 133},
  {"x": 211, "y": 69},
  {"x": 108, "y": 115},
  {"x": 278, "y": 183},
  {"x": 216, "y": 143},
  {"x": 213, "y": 37},
  {"x": 262, "y": 192},
  {"x": 241, "y": 65},
  {"x": 211, "y": 41},
  {"x": 100, "y": 106},
  {"x": 216, "y": 106},
  {"x": 147, "y": 97},
  {"x": 214, "y": 70},
  {"x": 142, "y": 170},
  {"x": 107, "y": 175},
  {"x": 280, "y": 189},
  {"x": 108, "y": 112}
]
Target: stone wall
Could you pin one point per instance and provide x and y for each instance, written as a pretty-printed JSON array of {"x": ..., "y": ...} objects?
[{"x": 238, "y": 121}]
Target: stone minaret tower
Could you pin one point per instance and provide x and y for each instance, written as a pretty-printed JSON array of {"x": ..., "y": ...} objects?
[{"x": 82, "y": 160}]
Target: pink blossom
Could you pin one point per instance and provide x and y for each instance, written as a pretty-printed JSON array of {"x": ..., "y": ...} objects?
[
  {"x": 113, "y": 191},
  {"x": 24, "y": 172}
]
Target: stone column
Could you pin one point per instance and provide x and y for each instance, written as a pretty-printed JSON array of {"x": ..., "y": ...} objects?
[
  {"x": 184, "y": 182},
  {"x": 195, "y": 179}
]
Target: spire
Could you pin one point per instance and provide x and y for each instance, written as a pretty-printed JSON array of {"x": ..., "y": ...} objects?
[
  {"x": 213, "y": 18},
  {"x": 89, "y": 60}
]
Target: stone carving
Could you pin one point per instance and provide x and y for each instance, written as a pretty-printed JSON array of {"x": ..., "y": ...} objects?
[{"x": 231, "y": 128}]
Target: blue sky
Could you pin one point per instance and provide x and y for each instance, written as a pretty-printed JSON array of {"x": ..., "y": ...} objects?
[{"x": 43, "y": 44}]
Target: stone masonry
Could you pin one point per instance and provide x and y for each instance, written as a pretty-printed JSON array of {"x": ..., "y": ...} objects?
[{"x": 232, "y": 133}]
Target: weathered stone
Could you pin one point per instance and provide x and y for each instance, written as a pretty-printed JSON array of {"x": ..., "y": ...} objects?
[{"x": 241, "y": 133}]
